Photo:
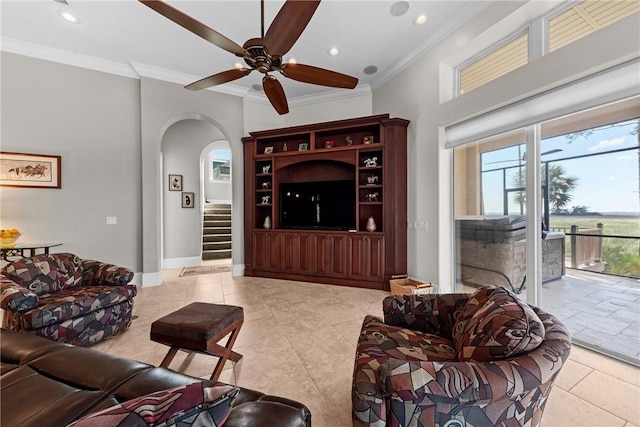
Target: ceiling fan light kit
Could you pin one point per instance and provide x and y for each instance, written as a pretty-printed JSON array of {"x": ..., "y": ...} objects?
[{"x": 263, "y": 54}]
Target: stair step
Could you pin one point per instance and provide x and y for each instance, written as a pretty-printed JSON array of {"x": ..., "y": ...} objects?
[
  {"x": 217, "y": 224},
  {"x": 216, "y": 231},
  {"x": 217, "y": 217},
  {"x": 207, "y": 231},
  {"x": 207, "y": 238},
  {"x": 221, "y": 254},
  {"x": 214, "y": 246}
]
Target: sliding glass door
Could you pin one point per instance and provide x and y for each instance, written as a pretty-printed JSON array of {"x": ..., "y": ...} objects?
[{"x": 552, "y": 212}]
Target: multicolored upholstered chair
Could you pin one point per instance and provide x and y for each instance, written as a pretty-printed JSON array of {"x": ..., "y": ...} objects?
[
  {"x": 65, "y": 298},
  {"x": 457, "y": 360}
]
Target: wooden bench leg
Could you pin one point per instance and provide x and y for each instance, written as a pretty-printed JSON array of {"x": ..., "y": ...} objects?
[
  {"x": 225, "y": 353},
  {"x": 169, "y": 357}
]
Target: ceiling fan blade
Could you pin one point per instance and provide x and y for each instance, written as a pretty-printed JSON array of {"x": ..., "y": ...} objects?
[
  {"x": 194, "y": 26},
  {"x": 216, "y": 79},
  {"x": 275, "y": 93},
  {"x": 318, "y": 76},
  {"x": 288, "y": 25}
]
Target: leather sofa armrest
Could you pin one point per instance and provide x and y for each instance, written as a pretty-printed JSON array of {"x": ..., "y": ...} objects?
[
  {"x": 15, "y": 297},
  {"x": 102, "y": 273},
  {"x": 433, "y": 314}
]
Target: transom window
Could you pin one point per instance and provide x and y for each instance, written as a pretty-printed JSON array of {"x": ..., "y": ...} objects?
[{"x": 566, "y": 24}]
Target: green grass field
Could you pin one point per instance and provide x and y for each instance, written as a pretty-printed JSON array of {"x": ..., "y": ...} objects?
[{"x": 622, "y": 256}]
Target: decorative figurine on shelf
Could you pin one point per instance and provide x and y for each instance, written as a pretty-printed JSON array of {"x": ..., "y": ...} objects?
[
  {"x": 367, "y": 140},
  {"x": 265, "y": 169},
  {"x": 329, "y": 143},
  {"x": 372, "y": 197},
  {"x": 266, "y": 185},
  {"x": 267, "y": 223},
  {"x": 371, "y": 224},
  {"x": 349, "y": 140},
  {"x": 371, "y": 162},
  {"x": 371, "y": 180},
  {"x": 265, "y": 199},
  {"x": 284, "y": 148}
]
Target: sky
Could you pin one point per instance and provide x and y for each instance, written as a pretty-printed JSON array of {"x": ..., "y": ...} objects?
[{"x": 606, "y": 183}]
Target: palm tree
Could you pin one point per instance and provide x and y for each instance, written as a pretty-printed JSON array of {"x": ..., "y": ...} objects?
[{"x": 560, "y": 187}]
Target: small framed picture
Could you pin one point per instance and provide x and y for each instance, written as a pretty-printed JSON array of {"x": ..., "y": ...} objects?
[
  {"x": 175, "y": 182},
  {"x": 188, "y": 200},
  {"x": 368, "y": 140},
  {"x": 303, "y": 147},
  {"x": 268, "y": 150}
]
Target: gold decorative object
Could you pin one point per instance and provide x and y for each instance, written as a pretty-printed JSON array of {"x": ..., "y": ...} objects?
[{"x": 9, "y": 237}]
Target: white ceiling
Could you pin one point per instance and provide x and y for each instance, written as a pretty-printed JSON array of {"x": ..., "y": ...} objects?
[{"x": 130, "y": 36}]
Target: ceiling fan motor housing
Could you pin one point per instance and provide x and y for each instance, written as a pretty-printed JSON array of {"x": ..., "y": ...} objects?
[{"x": 259, "y": 57}]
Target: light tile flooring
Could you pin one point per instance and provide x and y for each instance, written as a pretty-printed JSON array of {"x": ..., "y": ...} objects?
[
  {"x": 600, "y": 309},
  {"x": 298, "y": 341}
]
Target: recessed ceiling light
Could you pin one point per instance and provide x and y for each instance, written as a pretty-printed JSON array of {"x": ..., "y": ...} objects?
[
  {"x": 257, "y": 87},
  {"x": 399, "y": 8},
  {"x": 370, "y": 69},
  {"x": 68, "y": 16},
  {"x": 420, "y": 19},
  {"x": 334, "y": 51}
]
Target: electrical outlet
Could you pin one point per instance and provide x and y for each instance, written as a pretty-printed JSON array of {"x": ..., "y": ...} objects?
[{"x": 112, "y": 220}]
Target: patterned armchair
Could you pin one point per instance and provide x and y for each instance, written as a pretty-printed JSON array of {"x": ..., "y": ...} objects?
[
  {"x": 65, "y": 298},
  {"x": 457, "y": 360}
]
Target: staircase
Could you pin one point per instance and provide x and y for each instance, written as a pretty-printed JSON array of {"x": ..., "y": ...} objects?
[{"x": 216, "y": 232}]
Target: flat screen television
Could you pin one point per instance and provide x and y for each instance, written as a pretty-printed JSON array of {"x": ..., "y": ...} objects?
[{"x": 322, "y": 205}]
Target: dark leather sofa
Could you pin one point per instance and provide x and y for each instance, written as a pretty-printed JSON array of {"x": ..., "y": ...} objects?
[{"x": 47, "y": 383}]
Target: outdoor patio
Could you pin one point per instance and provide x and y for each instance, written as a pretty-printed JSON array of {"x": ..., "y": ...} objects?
[{"x": 599, "y": 309}]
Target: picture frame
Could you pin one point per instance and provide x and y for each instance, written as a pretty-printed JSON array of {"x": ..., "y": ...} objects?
[
  {"x": 303, "y": 146},
  {"x": 30, "y": 170},
  {"x": 175, "y": 182},
  {"x": 268, "y": 150},
  {"x": 188, "y": 200},
  {"x": 367, "y": 140}
]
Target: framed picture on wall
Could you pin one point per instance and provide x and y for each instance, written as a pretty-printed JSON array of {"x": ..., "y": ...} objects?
[
  {"x": 188, "y": 200},
  {"x": 29, "y": 170},
  {"x": 175, "y": 182}
]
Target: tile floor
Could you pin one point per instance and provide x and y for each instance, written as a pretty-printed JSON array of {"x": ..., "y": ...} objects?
[
  {"x": 600, "y": 309},
  {"x": 298, "y": 341}
]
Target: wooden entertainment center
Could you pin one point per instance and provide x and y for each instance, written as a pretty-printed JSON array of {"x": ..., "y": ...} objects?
[{"x": 371, "y": 152}]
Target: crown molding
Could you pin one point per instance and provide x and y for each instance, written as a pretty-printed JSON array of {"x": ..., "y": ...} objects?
[
  {"x": 66, "y": 57},
  {"x": 136, "y": 70},
  {"x": 467, "y": 11},
  {"x": 183, "y": 79},
  {"x": 330, "y": 95}
]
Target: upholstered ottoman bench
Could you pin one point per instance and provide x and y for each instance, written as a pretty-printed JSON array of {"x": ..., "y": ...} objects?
[{"x": 198, "y": 327}]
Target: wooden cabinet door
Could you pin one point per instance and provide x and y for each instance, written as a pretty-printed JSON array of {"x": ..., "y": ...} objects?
[
  {"x": 266, "y": 254},
  {"x": 365, "y": 259},
  {"x": 329, "y": 257},
  {"x": 295, "y": 253}
]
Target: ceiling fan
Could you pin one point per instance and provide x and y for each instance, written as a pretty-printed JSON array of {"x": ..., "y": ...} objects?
[{"x": 263, "y": 54}]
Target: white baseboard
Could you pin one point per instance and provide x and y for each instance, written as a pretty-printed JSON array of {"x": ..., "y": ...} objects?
[
  {"x": 181, "y": 262},
  {"x": 149, "y": 279},
  {"x": 237, "y": 270}
]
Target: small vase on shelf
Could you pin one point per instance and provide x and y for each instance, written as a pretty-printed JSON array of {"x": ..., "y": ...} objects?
[
  {"x": 371, "y": 224},
  {"x": 267, "y": 223}
]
